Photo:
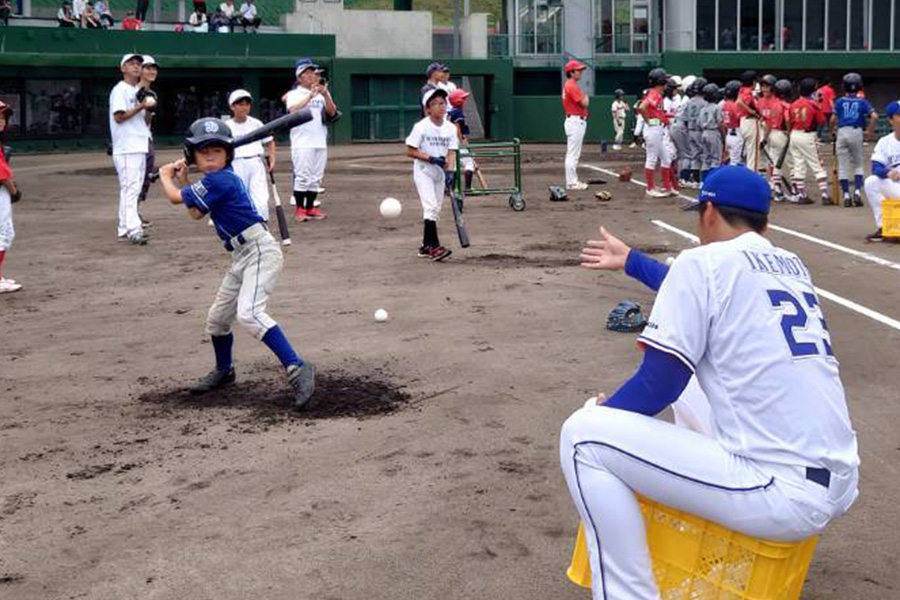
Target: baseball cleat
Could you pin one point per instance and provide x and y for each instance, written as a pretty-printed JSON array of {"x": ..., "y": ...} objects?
[
  {"x": 616, "y": 147},
  {"x": 317, "y": 203},
  {"x": 779, "y": 197},
  {"x": 875, "y": 237},
  {"x": 7, "y": 280},
  {"x": 847, "y": 201},
  {"x": 7, "y": 286},
  {"x": 138, "y": 239},
  {"x": 439, "y": 253},
  {"x": 424, "y": 252},
  {"x": 578, "y": 186},
  {"x": 303, "y": 379},
  {"x": 802, "y": 200},
  {"x": 315, "y": 214},
  {"x": 213, "y": 381},
  {"x": 654, "y": 193},
  {"x": 826, "y": 201},
  {"x": 301, "y": 215},
  {"x": 857, "y": 198}
]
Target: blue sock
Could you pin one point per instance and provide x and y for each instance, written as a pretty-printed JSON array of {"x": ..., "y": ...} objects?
[
  {"x": 858, "y": 182},
  {"x": 222, "y": 346},
  {"x": 685, "y": 174},
  {"x": 282, "y": 348},
  {"x": 845, "y": 185}
]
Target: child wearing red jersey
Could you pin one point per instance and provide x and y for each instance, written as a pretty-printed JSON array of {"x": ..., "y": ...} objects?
[
  {"x": 806, "y": 119},
  {"x": 9, "y": 194},
  {"x": 656, "y": 134}
]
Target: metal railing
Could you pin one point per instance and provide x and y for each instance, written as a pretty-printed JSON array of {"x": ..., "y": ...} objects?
[{"x": 505, "y": 44}]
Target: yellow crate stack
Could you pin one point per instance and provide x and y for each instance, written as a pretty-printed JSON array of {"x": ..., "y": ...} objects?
[{"x": 890, "y": 219}]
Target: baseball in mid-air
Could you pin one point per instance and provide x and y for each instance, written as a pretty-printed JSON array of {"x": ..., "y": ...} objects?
[
  {"x": 390, "y": 208},
  {"x": 149, "y": 101},
  {"x": 381, "y": 315}
]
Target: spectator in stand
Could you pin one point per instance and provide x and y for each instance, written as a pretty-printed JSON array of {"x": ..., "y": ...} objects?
[
  {"x": 228, "y": 9},
  {"x": 5, "y": 11},
  {"x": 248, "y": 16},
  {"x": 219, "y": 23},
  {"x": 65, "y": 16},
  {"x": 140, "y": 10},
  {"x": 78, "y": 8},
  {"x": 131, "y": 23},
  {"x": 89, "y": 18},
  {"x": 106, "y": 18},
  {"x": 200, "y": 5},
  {"x": 198, "y": 22}
]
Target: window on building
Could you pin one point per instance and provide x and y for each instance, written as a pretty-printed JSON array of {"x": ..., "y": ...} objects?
[
  {"x": 641, "y": 29},
  {"x": 525, "y": 13},
  {"x": 768, "y": 25},
  {"x": 859, "y": 25},
  {"x": 622, "y": 26},
  {"x": 750, "y": 25},
  {"x": 792, "y": 26},
  {"x": 706, "y": 24},
  {"x": 815, "y": 24},
  {"x": 881, "y": 24},
  {"x": 549, "y": 26},
  {"x": 837, "y": 24},
  {"x": 727, "y": 24},
  {"x": 604, "y": 42}
]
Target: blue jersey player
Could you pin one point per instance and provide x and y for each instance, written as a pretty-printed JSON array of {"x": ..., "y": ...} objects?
[
  {"x": 852, "y": 115},
  {"x": 256, "y": 256}
]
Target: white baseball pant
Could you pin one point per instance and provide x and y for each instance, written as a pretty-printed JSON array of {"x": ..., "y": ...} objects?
[
  {"x": 750, "y": 134},
  {"x": 619, "y": 126},
  {"x": 309, "y": 168},
  {"x": 777, "y": 140},
  {"x": 466, "y": 160},
  {"x": 429, "y": 180},
  {"x": 659, "y": 146},
  {"x": 252, "y": 171},
  {"x": 575, "y": 128},
  {"x": 246, "y": 287},
  {"x": 877, "y": 190},
  {"x": 130, "y": 168},
  {"x": 7, "y": 231},
  {"x": 639, "y": 124},
  {"x": 805, "y": 153},
  {"x": 609, "y": 455},
  {"x": 849, "y": 146},
  {"x": 735, "y": 144}
]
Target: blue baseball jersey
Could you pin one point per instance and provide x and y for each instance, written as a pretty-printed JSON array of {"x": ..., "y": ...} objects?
[
  {"x": 456, "y": 116},
  {"x": 224, "y": 196},
  {"x": 852, "y": 111}
]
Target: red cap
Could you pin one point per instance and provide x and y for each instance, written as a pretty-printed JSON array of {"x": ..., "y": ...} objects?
[
  {"x": 574, "y": 65},
  {"x": 458, "y": 97}
]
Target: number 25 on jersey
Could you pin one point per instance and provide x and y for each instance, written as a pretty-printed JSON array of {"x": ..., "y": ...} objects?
[{"x": 799, "y": 321}]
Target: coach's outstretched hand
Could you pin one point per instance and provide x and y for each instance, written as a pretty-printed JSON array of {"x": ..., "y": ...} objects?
[{"x": 607, "y": 254}]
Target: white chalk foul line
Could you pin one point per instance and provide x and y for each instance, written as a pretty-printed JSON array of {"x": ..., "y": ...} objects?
[
  {"x": 799, "y": 234},
  {"x": 859, "y": 308}
]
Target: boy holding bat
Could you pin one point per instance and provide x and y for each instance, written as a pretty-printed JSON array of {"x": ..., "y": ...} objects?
[
  {"x": 432, "y": 144},
  {"x": 256, "y": 256}
]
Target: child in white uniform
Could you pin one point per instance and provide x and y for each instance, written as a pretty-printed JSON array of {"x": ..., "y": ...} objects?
[{"x": 252, "y": 162}]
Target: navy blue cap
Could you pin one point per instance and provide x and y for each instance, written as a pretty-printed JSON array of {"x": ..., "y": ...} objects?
[
  {"x": 737, "y": 187},
  {"x": 303, "y": 64},
  {"x": 435, "y": 66},
  {"x": 892, "y": 109}
]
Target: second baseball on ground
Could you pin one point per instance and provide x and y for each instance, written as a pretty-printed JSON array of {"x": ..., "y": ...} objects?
[
  {"x": 381, "y": 315},
  {"x": 390, "y": 208}
]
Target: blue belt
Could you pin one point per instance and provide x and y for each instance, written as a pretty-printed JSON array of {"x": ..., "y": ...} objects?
[{"x": 820, "y": 476}]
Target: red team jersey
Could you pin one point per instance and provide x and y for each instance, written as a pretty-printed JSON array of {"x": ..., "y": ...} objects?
[
  {"x": 772, "y": 110},
  {"x": 731, "y": 114},
  {"x": 826, "y": 99},
  {"x": 746, "y": 96},
  {"x": 654, "y": 108},
  {"x": 572, "y": 95},
  {"x": 806, "y": 115},
  {"x": 5, "y": 171}
]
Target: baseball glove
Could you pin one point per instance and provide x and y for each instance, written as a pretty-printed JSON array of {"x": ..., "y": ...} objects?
[
  {"x": 558, "y": 194},
  {"x": 143, "y": 93},
  {"x": 625, "y": 174},
  {"x": 13, "y": 198},
  {"x": 626, "y": 317},
  {"x": 603, "y": 196}
]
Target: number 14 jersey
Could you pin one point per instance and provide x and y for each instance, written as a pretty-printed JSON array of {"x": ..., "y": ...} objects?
[{"x": 744, "y": 316}]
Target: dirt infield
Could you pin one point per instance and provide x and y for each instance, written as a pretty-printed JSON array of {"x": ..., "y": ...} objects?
[{"x": 428, "y": 468}]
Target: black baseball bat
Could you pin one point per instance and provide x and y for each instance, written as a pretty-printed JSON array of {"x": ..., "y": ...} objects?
[
  {"x": 288, "y": 121},
  {"x": 461, "y": 231},
  {"x": 279, "y": 213}
]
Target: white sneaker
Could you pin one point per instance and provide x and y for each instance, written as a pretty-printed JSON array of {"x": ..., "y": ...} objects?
[
  {"x": 617, "y": 147},
  {"x": 654, "y": 193},
  {"x": 320, "y": 190},
  {"x": 7, "y": 286},
  {"x": 633, "y": 145},
  {"x": 317, "y": 203},
  {"x": 578, "y": 186},
  {"x": 2, "y": 279},
  {"x": 672, "y": 193}
]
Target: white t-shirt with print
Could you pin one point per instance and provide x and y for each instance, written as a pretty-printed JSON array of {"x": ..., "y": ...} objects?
[
  {"x": 314, "y": 133},
  {"x": 433, "y": 140},
  {"x": 239, "y": 129}
]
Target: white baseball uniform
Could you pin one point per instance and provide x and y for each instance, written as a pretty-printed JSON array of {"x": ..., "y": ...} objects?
[
  {"x": 131, "y": 140},
  {"x": 781, "y": 461},
  {"x": 309, "y": 143},
  {"x": 433, "y": 140},
  {"x": 7, "y": 231},
  {"x": 887, "y": 152},
  {"x": 619, "y": 111},
  {"x": 250, "y": 164}
]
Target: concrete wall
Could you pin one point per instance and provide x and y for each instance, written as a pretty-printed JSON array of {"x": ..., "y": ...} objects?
[
  {"x": 578, "y": 32},
  {"x": 474, "y": 36},
  {"x": 365, "y": 33},
  {"x": 680, "y": 20}
]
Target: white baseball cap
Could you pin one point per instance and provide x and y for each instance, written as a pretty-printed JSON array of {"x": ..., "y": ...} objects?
[
  {"x": 431, "y": 94},
  {"x": 239, "y": 95},
  {"x": 131, "y": 56},
  {"x": 148, "y": 61}
]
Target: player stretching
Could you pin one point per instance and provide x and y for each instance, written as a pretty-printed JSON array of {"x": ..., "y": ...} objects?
[
  {"x": 656, "y": 136},
  {"x": 742, "y": 315},
  {"x": 252, "y": 162},
  {"x": 309, "y": 142},
  {"x": 852, "y": 115},
  {"x": 130, "y": 140},
  {"x": 884, "y": 182},
  {"x": 433, "y": 143},
  {"x": 9, "y": 194},
  {"x": 256, "y": 256}
]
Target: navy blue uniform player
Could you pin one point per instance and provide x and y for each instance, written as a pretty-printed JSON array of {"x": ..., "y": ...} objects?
[
  {"x": 256, "y": 256},
  {"x": 853, "y": 116}
]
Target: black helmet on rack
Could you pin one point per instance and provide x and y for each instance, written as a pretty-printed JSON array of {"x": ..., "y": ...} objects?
[
  {"x": 852, "y": 82},
  {"x": 657, "y": 77}
]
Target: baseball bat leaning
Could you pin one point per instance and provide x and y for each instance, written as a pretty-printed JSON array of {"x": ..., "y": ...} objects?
[
  {"x": 279, "y": 213},
  {"x": 481, "y": 179},
  {"x": 288, "y": 121},
  {"x": 461, "y": 230},
  {"x": 836, "y": 196}
]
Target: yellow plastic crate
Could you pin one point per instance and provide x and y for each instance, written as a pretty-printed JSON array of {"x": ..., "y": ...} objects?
[
  {"x": 890, "y": 218},
  {"x": 695, "y": 559}
]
